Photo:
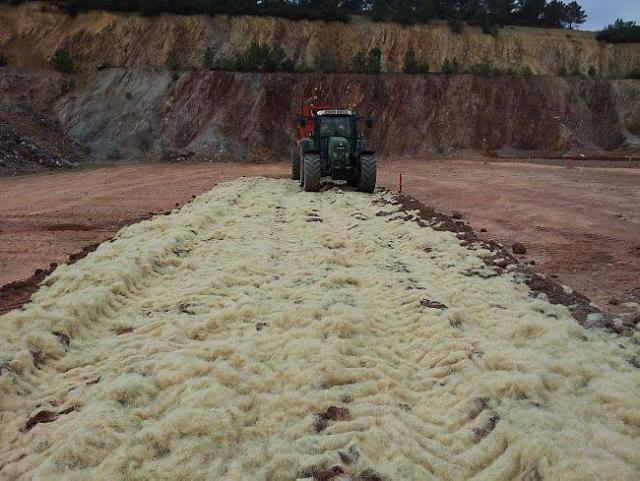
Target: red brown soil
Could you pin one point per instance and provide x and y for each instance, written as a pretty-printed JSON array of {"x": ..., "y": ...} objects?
[
  {"x": 46, "y": 416},
  {"x": 581, "y": 225},
  {"x": 332, "y": 413}
]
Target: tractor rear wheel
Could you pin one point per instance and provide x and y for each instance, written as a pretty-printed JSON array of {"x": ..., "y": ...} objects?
[
  {"x": 301, "y": 168},
  {"x": 312, "y": 173},
  {"x": 295, "y": 164},
  {"x": 367, "y": 173}
]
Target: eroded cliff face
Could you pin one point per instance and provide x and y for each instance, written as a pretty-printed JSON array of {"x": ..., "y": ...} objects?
[
  {"x": 137, "y": 114},
  {"x": 31, "y": 35},
  {"x": 132, "y": 108}
]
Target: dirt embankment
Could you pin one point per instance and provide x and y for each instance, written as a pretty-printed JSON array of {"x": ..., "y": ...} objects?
[
  {"x": 31, "y": 35},
  {"x": 31, "y": 142},
  {"x": 141, "y": 114}
]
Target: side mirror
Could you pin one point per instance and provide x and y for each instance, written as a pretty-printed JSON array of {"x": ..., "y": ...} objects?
[
  {"x": 370, "y": 122},
  {"x": 303, "y": 122}
]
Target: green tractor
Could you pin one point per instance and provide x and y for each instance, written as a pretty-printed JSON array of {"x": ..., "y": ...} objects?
[{"x": 327, "y": 144}]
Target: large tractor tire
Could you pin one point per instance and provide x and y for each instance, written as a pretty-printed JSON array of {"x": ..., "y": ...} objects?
[
  {"x": 312, "y": 173},
  {"x": 295, "y": 164},
  {"x": 367, "y": 173}
]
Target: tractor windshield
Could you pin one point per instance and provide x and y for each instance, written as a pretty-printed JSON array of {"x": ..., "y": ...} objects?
[{"x": 335, "y": 126}]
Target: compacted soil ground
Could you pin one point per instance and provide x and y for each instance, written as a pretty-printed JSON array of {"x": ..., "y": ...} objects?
[
  {"x": 265, "y": 333},
  {"x": 581, "y": 224}
]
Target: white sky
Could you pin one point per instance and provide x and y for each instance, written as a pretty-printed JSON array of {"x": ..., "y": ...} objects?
[{"x": 603, "y": 12}]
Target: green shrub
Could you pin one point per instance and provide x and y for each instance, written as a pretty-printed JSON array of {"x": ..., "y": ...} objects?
[
  {"x": 172, "y": 61},
  {"x": 577, "y": 73},
  {"x": 360, "y": 62},
  {"x": 288, "y": 66},
  {"x": 563, "y": 71},
  {"x": 527, "y": 71},
  {"x": 410, "y": 63},
  {"x": 263, "y": 58},
  {"x": 374, "y": 61},
  {"x": 62, "y": 61},
  {"x": 423, "y": 68},
  {"x": 634, "y": 74},
  {"x": 103, "y": 66},
  {"x": 227, "y": 64},
  {"x": 593, "y": 72},
  {"x": 620, "y": 32},
  {"x": 450, "y": 67},
  {"x": 3, "y": 60},
  {"x": 482, "y": 68},
  {"x": 489, "y": 28},
  {"x": 208, "y": 62}
]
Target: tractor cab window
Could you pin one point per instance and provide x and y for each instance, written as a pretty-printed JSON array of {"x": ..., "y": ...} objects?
[{"x": 335, "y": 126}]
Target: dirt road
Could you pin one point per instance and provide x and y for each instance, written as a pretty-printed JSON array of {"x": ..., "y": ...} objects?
[
  {"x": 266, "y": 333},
  {"x": 582, "y": 225}
]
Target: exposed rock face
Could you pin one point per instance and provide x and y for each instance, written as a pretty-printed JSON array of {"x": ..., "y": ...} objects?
[
  {"x": 30, "y": 35},
  {"x": 252, "y": 117},
  {"x": 132, "y": 108},
  {"x": 136, "y": 113}
]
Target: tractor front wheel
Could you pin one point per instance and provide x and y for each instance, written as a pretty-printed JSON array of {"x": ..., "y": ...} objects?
[
  {"x": 312, "y": 173},
  {"x": 295, "y": 164},
  {"x": 367, "y": 173}
]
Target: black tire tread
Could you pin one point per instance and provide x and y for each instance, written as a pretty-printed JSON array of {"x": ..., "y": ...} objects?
[
  {"x": 367, "y": 173},
  {"x": 312, "y": 172},
  {"x": 295, "y": 165}
]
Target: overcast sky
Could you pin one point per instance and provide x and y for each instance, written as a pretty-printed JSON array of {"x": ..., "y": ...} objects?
[{"x": 604, "y": 12}]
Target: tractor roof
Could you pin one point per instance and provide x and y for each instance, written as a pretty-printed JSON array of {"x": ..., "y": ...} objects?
[{"x": 335, "y": 112}]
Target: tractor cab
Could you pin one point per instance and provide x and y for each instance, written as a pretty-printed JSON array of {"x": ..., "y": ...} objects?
[{"x": 336, "y": 134}]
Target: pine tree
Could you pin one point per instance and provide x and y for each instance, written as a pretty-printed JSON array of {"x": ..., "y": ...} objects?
[
  {"x": 379, "y": 10},
  {"x": 425, "y": 11},
  {"x": 403, "y": 10},
  {"x": 554, "y": 14},
  {"x": 574, "y": 14},
  {"x": 500, "y": 11},
  {"x": 531, "y": 12}
]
